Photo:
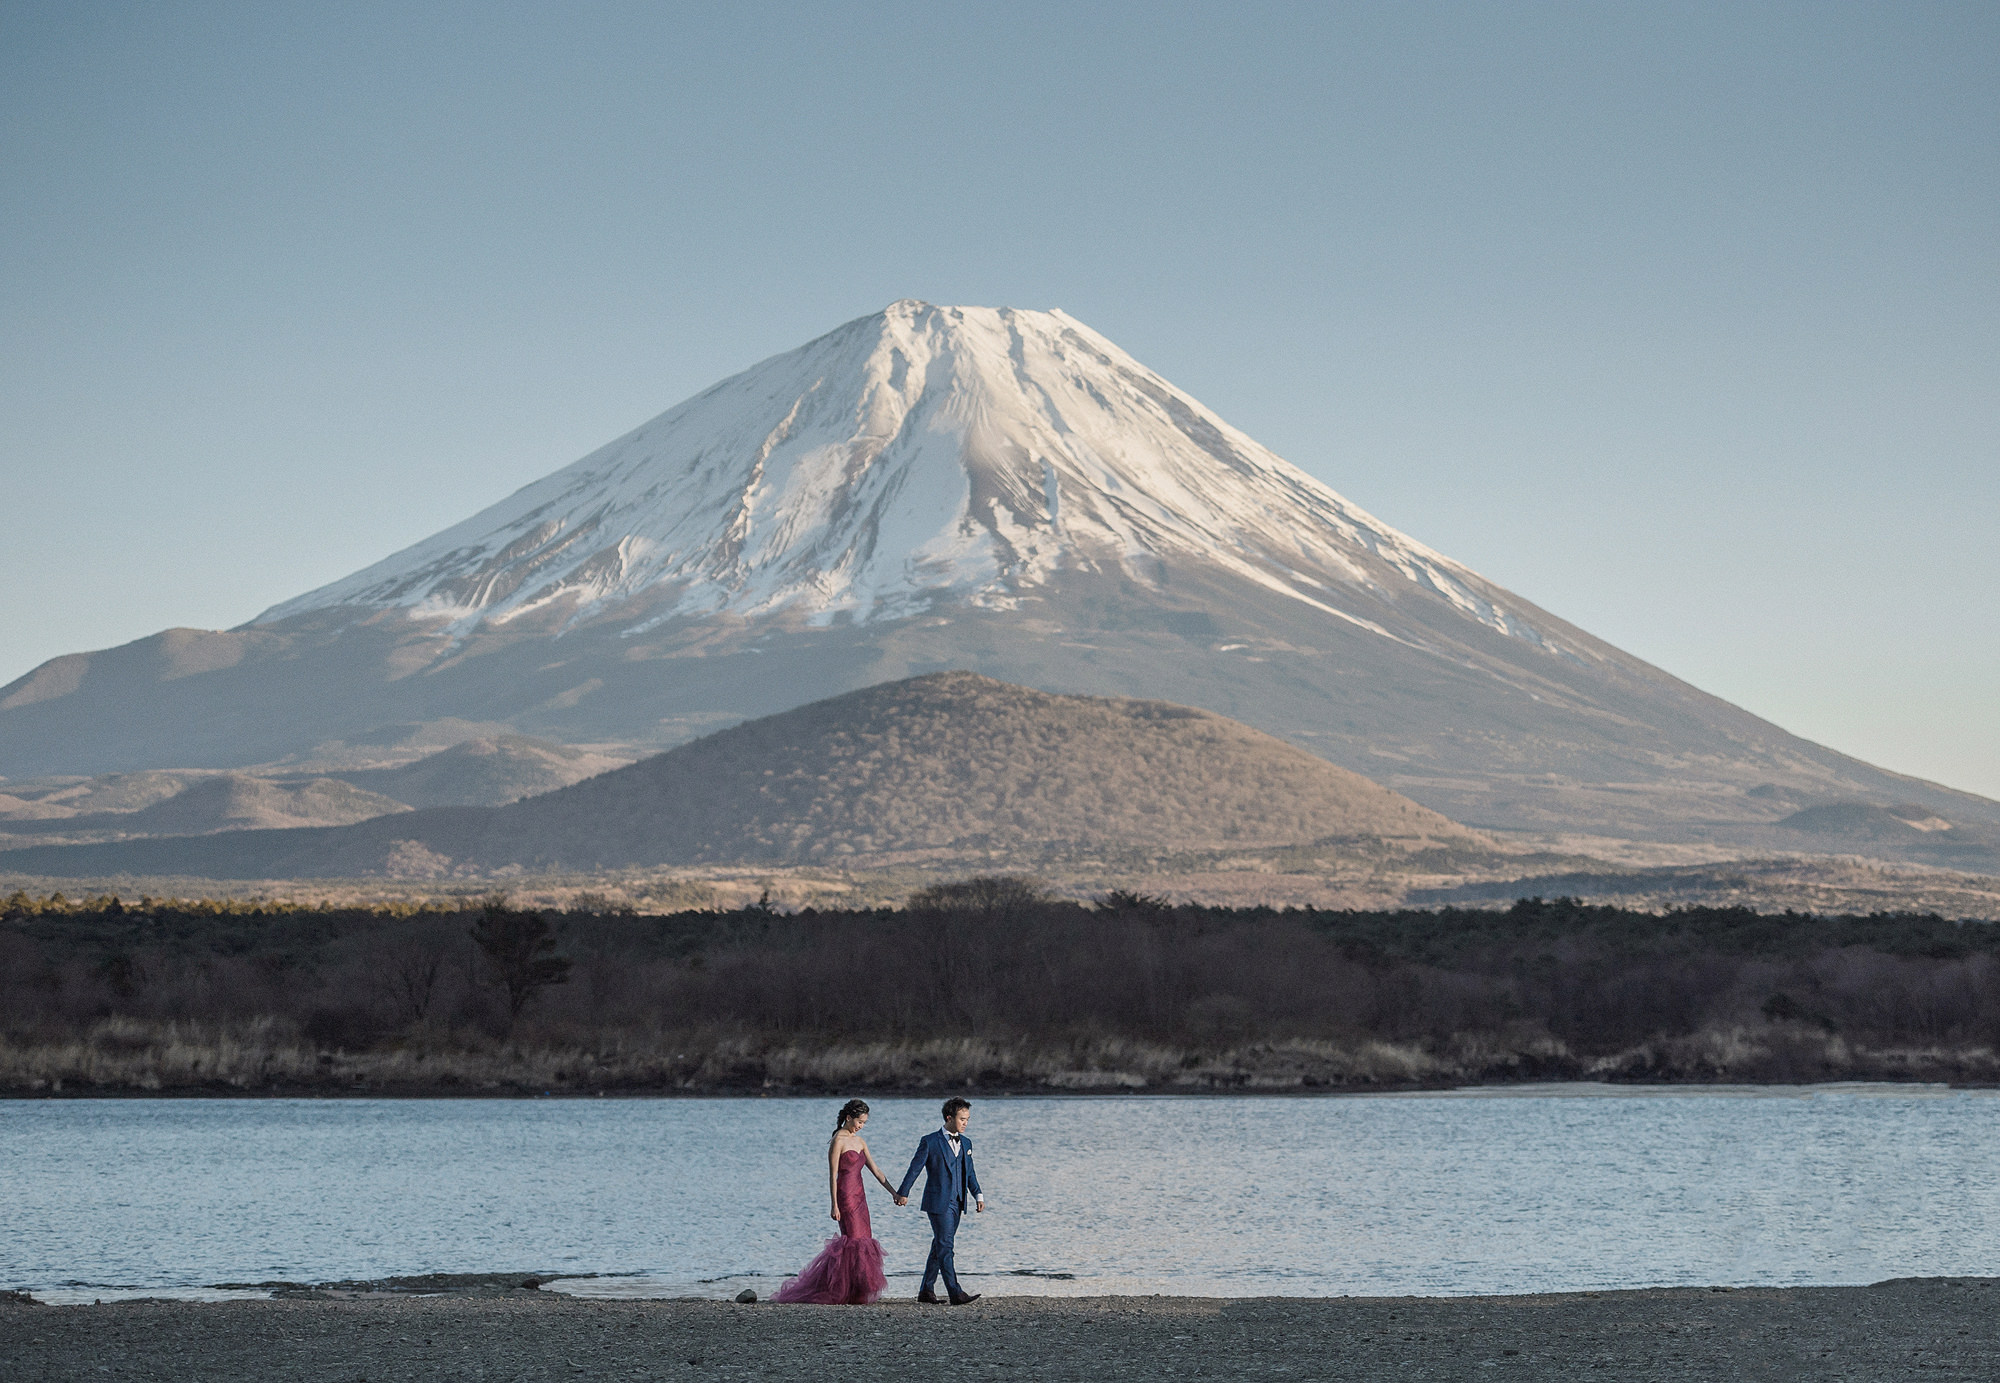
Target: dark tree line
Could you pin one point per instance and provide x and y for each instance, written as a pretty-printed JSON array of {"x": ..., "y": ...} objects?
[{"x": 995, "y": 959}]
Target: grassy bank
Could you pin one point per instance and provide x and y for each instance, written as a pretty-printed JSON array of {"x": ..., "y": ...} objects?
[
  {"x": 131, "y": 1057},
  {"x": 983, "y": 987}
]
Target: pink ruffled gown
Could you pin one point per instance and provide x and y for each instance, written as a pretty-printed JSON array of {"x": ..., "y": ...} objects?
[{"x": 848, "y": 1271}]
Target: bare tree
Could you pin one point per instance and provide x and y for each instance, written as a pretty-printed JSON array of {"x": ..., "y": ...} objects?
[{"x": 412, "y": 964}]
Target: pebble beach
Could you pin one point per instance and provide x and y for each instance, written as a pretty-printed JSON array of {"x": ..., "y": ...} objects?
[{"x": 494, "y": 1328}]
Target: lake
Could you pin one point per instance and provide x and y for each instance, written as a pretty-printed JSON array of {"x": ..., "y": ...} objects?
[{"x": 1534, "y": 1189}]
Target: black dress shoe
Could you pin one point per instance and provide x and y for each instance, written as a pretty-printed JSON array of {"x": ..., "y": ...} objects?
[
  {"x": 962, "y": 1298},
  {"x": 929, "y": 1298}
]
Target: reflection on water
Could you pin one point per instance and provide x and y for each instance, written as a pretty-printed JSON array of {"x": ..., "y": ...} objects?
[{"x": 1545, "y": 1189}]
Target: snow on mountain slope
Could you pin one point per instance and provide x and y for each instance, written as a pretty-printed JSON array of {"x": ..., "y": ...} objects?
[
  {"x": 919, "y": 453},
  {"x": 951, "y": 488}
]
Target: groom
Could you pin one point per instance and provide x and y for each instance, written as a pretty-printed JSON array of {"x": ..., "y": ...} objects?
[{"x": 946, "y": 1158}]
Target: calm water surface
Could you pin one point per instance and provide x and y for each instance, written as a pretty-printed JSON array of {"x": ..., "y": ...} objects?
[{"x": 1549, "y": 1189}]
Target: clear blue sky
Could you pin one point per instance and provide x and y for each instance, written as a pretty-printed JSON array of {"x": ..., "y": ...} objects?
[{"x": 1677, "y": 319}]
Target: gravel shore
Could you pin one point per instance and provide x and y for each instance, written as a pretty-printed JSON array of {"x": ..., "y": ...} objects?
[{"x": 1931, "y": 1328}]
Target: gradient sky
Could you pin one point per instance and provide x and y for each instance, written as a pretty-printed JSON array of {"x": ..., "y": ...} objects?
[{"x": 1679, "y": 320}]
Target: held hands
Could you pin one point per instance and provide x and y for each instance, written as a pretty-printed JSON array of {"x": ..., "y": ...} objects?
[{"x": 902, "y": 1200}]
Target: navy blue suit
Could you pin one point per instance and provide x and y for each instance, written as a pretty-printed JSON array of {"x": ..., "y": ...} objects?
[{"x": 947, "y": 1179}]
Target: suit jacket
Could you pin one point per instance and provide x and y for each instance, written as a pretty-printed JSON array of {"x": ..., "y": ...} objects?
[{"x": 948, "y": 1178}]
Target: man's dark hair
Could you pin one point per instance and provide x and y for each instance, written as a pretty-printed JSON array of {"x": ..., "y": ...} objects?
[{"x": 954, "y": 1104}]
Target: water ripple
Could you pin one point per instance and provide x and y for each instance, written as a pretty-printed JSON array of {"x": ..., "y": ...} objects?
[{"x": 1522, "y": 1190}]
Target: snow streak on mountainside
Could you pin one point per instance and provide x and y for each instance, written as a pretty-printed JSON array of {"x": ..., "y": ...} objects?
[{"x": 921, "y": 453}]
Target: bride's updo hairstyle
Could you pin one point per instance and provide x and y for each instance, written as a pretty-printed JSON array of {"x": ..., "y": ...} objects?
[{"x": 853, "y": 1109}]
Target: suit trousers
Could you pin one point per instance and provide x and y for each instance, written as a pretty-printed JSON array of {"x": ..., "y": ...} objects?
[{"x": 944, "y": 1230}]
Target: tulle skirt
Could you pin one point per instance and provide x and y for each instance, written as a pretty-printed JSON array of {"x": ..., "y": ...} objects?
[{"x": 848, "y": 1272}]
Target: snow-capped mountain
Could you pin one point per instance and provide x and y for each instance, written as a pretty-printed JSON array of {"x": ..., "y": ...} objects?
[
  {"x": 925, "y": 454},
  {"x": 929, "y": 488}
]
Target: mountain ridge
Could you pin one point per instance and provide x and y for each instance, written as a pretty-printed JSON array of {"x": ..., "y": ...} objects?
[
  {"x": 934, "y": 488},
  {"x": 948, "y": 764}
]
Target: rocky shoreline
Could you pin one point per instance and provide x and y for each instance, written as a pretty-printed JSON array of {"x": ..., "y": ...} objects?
[{"x": 492, "y": 1326}]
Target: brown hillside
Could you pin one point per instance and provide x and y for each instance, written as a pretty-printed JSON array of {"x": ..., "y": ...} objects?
[
  {"x": 943, "y": 764},
  {"x": 485, "y": 772},
  {"x": 236, "y": 802},
  {"x": 185, "y": 804},
  {"x": 955, "y": 761}
]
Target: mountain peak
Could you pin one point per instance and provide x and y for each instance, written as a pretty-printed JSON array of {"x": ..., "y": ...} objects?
[{"x": 923, "y": 454}]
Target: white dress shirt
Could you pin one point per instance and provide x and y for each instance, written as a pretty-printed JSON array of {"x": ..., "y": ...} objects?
[{"x": 951, "y": 1140}]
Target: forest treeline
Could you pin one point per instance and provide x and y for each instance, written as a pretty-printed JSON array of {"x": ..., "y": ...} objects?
[{"x": 983, "y": 984}]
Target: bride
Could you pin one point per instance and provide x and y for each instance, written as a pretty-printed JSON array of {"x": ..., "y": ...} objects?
[{"x": 848, "y": 1270}]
